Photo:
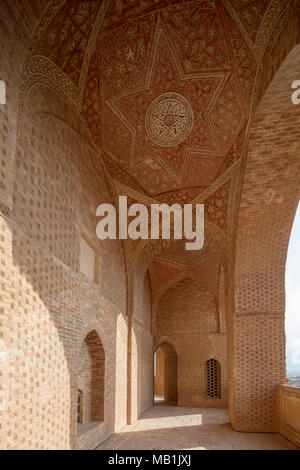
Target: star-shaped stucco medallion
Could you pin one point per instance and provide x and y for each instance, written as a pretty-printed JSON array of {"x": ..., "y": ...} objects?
[{"x": 169, "y": 119}]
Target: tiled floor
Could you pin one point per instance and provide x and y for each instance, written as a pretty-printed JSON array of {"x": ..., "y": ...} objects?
[{"x": 165, "y": 427}]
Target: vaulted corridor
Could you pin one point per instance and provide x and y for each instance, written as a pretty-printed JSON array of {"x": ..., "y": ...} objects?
[
  {"x": 170, "y": 427},
  {"x": 149, "y": 180}
]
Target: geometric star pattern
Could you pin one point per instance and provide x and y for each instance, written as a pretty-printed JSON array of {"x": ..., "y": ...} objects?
[
  {"x": 145, "y": 49},
  {"x": 148, "y": 49},
  {"x": 165, "y": 88},
  {"x": 169, "y": 119},
  {"x": 215, "y": 110}
]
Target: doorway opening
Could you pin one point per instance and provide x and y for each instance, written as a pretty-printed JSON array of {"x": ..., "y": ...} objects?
[
  {"x": 91, "y": 383},
  {"x": 165, "y": 375}
]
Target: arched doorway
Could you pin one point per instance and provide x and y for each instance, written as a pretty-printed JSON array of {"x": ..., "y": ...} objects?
[
  {"x": 91, "y": 381},
  {"x": 165, "y": 375}
]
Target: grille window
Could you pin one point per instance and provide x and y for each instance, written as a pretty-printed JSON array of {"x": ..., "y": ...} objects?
[{"x": 213, "y": 379}]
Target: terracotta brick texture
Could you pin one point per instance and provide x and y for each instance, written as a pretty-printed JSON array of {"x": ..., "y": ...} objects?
[
  {"x": 84, "y": 80},
  {"x": 269, "y": 201}
]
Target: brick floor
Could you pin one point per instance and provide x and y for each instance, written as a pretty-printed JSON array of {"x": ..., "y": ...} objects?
[{"x": 166, "y": 427}]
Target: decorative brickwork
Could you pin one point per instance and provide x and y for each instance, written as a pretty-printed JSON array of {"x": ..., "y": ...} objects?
[
  {"x": 142, "y": 357},
  {"x": 161, "y": 101},
  {"x": 187, "y": 317},
  {"x": 270, "y": 197}
]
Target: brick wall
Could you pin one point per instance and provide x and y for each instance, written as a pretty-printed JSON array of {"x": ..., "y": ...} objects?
[
  {"x": 51, "y": 181},
  {"x": 142, "y": 350},
  {"x": 48, "y": 306},
  {"x": 187, "y": 318},
  {"x": 269, "y": 200}
]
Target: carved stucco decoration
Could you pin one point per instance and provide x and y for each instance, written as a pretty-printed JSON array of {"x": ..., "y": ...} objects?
[
  {"x": 129, "y": 56},
  {"x": 169, "y": 119}
]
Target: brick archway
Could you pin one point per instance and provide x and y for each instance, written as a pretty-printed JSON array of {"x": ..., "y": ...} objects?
[
  {"x": 165, "y": 381},
  {"x": 91, "y": 378},
  {"x": 97, "y": 355},
  {"x": 269, "y": 199}
]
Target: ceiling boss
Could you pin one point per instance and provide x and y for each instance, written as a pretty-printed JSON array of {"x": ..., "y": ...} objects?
[{"x": 169, "y": 119}]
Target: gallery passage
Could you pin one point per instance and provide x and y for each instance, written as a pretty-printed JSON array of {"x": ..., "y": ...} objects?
[{"x": 165, "y": 379}]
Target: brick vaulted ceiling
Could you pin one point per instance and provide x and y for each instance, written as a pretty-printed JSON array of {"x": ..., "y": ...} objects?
[
  {"x": 165, "y": 88},
  {"x": 170, "y": 105}
]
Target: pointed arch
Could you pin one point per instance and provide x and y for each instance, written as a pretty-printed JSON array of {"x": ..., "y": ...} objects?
[{"x": 166, "y": 370}]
